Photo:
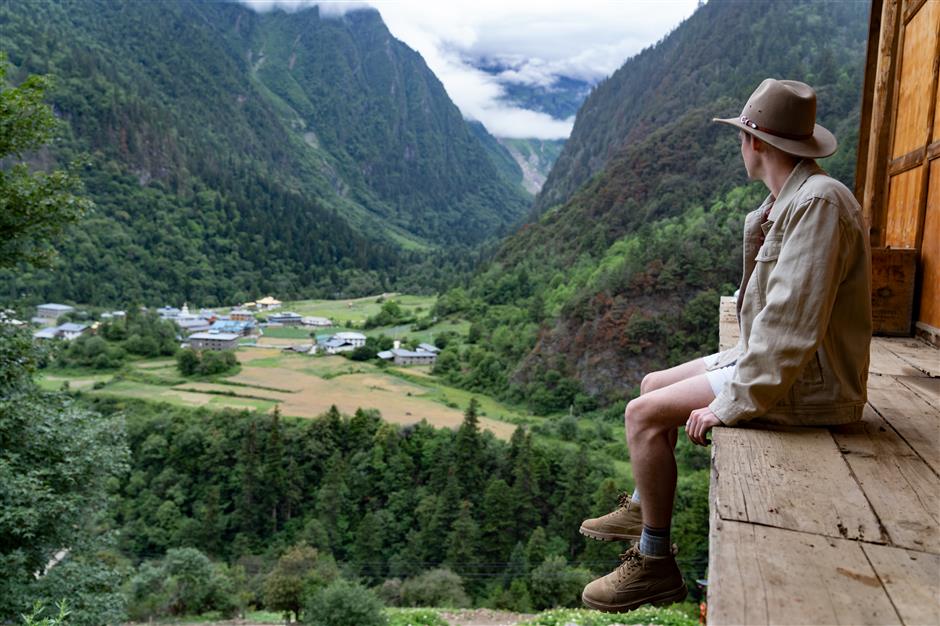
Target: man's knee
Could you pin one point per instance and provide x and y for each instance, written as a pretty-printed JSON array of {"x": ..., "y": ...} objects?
[
  {"x": 651, "y": 381},
  {"x": 638, "y": 416}
]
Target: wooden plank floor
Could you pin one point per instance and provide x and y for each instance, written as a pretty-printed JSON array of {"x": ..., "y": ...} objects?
[{"x": 837, "y": 525}]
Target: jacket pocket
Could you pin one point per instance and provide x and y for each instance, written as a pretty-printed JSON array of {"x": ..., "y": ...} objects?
[
  {"x": 764, "y": 264},
  {"x": 812, "y": 375}
]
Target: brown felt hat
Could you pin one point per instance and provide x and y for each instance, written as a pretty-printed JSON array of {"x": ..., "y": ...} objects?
[{"x": 783, "y": 113}]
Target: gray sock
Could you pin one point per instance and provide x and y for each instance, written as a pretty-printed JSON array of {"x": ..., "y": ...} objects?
[
  {"x": 655, "y": 541},
  {"x": 636, "y": 495}
]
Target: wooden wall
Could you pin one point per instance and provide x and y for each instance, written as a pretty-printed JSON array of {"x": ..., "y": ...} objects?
[{"x": 898, "y": 173}]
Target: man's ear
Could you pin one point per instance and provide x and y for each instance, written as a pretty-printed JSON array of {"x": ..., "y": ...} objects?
[{"x": 756, "y": 144}]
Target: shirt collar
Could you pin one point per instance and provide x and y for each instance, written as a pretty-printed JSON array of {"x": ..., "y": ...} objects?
[{"x": 801, "y": 172}]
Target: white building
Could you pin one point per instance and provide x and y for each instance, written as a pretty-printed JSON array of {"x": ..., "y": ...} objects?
[
  {"x": 355, "y": 339},
  {"x": 48, "y": 313},
  {"x": 317, "y": 321},
  {"x": 343, "y": 342}
]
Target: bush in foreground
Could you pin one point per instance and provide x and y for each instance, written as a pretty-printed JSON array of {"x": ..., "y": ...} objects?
[
  {"x": 585, "y": 617},
  {"x": 438, "y": 587},
  {"x": 344, "y": 604}
]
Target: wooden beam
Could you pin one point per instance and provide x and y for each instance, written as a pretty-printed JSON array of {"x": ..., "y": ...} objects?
[
  {"x": 913, "y": 6},
  {"x": 776, "y": 576},
  {"x": 933, "y": 150},
  {"x": 868, "y": 91},
  {"x": 907, "y": 161},
  {"x": 902, "y": 489},
  {"x": 772, "y": 478},
  {"x": 875, "y": 191},
  {"x": 914, "y": 419},
  {"x": 910, "y": 578}
]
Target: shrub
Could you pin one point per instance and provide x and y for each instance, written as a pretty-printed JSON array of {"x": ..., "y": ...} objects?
[
  {"x": 554, "y": 583},
  {"x": 344, "y": 604},
  {"x": 299, "y": 574},
  {"x": 438, "y": 587},
  {"x": 183, "y": 582}
]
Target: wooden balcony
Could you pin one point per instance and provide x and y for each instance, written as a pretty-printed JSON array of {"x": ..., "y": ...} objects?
[{"x": 837, "y": 525}]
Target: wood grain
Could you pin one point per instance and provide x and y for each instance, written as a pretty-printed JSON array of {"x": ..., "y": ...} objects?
[
  {"x": 917, "y": 421},
  {"x": 912, "y": 580},
  {"x": 903, "y": 491},
  {"x": 887, "y": 363},
  {"x": 790, "y": 478},
  {"x": 775, "y": 576},
  {"x": 915, "y": 352}
]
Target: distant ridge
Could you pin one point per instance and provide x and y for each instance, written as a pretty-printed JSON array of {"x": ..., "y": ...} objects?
[{"x": 236, "y": 152}]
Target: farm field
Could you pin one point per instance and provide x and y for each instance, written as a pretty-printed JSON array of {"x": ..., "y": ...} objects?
[{"x": 302, "y": 386}]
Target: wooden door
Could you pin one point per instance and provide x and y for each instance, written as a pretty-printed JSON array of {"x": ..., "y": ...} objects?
[{"x": 899, "y": 153}]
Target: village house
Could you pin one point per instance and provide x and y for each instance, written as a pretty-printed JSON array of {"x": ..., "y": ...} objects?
[
  {"x": 239, "y": 327},
  {"x": 168, "y": 312},
  {"x": 268, "y": 304},
  {"x": 317, "y": 321},
  {"x": 301, "y": 348},
  {"x": 48, "y": 314},
  {"x": 213, "y": 341},
  {"x": 426, "y": 354},
  {"x": 241, "y": 315},
  {"x": 343, "y": 342},
  {"x": 69, "y": 332},
  {"x": 287, "y": 319}
]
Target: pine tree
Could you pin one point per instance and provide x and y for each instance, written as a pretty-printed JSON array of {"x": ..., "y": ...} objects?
[
  {"x": 499, "y": 524},
  {"x": 468, "y": 453},
  {"x": 463, "y": 548}
]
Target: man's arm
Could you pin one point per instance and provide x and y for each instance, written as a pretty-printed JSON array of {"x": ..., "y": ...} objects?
[{"x": 785, "y": 334}]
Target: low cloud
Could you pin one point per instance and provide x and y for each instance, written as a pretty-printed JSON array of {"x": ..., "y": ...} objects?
[{"x": 537, "y": 41}]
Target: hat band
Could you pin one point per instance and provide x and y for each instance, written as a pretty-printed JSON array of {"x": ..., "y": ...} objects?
[{"x": 776, "y": 133}]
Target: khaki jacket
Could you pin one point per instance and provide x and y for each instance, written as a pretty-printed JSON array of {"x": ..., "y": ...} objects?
[{"x": 804, "y": 309}]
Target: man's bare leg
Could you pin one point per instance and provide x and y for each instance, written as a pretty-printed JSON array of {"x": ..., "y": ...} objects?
[
  {"x": 664, "y": 378},
  {"x": 652, "y": 422}
]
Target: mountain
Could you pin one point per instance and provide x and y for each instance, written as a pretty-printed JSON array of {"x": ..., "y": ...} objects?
[
  {"x": 709, "y": 65},
  {"x": 233, "y": 153},
  {"x": 639, "y": 225}
]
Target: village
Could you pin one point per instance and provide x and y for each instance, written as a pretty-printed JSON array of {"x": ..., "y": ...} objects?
[{"x": 241, "y": 326}]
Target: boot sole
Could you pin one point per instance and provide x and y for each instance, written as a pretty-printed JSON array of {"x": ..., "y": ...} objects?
[
  {"x": 667, "y": 597},
  {"x": 594, "y": 534}
]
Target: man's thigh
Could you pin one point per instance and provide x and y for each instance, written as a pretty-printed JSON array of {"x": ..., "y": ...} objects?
[
  {"x": 670, "y": 406},
  {"x": 664, "y": 378}
]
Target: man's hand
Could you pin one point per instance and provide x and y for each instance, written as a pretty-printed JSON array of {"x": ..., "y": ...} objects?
[{"x": 699, "y": 423}]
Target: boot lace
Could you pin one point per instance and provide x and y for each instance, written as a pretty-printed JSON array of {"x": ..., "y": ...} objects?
[
  {"x": 624, "y": 499},
  {"x": 630, "y": 561}
]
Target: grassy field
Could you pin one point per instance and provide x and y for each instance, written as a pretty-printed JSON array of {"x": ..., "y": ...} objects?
[
  {"x": 302, "y": 386},
  {"x": 307, "y": 386}
]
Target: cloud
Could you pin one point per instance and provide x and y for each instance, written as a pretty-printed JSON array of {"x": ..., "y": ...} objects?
[{"x": 537, "y": 41}]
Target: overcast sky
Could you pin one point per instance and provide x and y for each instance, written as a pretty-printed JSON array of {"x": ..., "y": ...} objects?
[{"x": 588, "y": 39}]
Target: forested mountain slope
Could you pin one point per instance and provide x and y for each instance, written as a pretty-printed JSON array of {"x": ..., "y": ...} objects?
[
  {"x": 711, "y": 62},
  {"x": 625, "y": 275},
  {"x": 235, "y": 153}
]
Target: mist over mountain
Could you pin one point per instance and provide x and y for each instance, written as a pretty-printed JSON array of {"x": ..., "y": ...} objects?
[
  {"x": 234, "y": 152},
  {"x": 557, "y": 96}
]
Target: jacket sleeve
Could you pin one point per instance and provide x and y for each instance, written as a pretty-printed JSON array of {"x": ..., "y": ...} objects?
[{"x": 800, "y": 293}]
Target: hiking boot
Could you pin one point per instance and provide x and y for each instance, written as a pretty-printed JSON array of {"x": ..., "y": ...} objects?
[
  {"x": 638, "y": 580},
  {"x": 624, "y": 524}
]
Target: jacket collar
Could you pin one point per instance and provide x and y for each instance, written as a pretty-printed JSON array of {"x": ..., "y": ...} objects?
[{"x": 801, "y": 172}]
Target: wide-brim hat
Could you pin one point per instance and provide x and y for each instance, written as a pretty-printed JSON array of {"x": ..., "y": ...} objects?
[{"x": 783, "y": 114}]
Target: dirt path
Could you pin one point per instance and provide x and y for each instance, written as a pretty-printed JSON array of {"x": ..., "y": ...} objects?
[
  {"x": 462, "y": 617},
  {"x": 483, "y": 617}
]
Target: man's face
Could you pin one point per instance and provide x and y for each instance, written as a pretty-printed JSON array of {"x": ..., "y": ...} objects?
[{"x": 748, "y": 154}]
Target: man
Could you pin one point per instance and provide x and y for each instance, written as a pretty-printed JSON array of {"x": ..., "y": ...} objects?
[{"x": 805, "y": 315}]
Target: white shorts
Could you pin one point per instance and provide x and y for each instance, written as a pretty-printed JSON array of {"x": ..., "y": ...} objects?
[{"x": 717, "y": 378}]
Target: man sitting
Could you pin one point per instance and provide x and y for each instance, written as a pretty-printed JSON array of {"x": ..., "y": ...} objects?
[{"x": 805, "y": 315}]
